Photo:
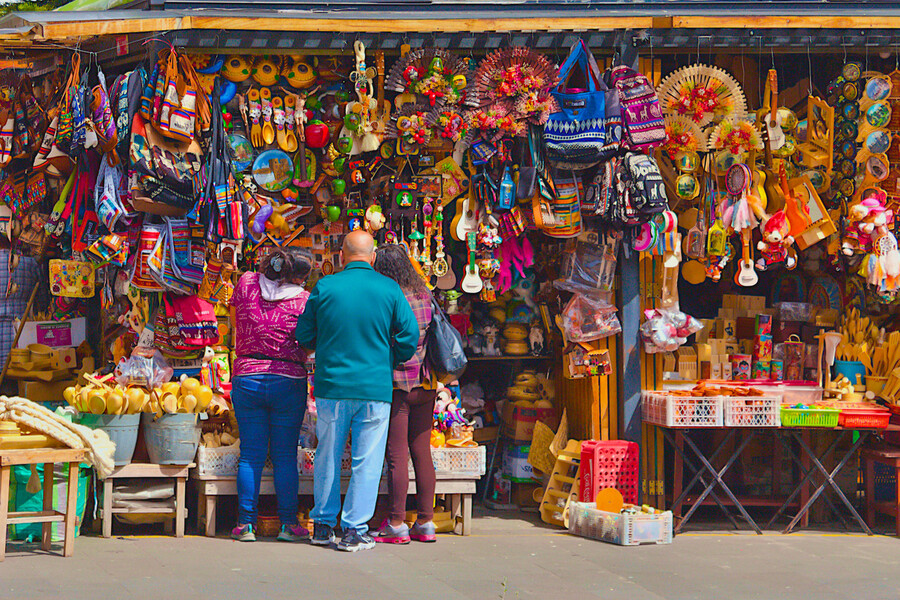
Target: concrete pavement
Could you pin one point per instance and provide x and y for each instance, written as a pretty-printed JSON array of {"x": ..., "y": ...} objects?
[{"x": 509, "y": 557}]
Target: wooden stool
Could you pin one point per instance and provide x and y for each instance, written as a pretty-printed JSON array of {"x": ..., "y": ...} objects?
[
  {"x": 46, "y": 457},
  {"x": 891, "y": 458},
  {"x": 146, "y": 471}
]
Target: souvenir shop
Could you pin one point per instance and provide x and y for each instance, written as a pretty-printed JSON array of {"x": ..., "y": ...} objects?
[{"x": 656, "y": 264}]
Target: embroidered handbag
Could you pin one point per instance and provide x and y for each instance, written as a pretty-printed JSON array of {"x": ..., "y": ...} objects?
[
  {"x": 22, "y": 191},
  {"x": 588, "y": 126},
  {"x": 643, "y": 124}
]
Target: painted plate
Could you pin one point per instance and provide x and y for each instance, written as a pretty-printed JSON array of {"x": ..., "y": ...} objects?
[
  {"x": 273, "y": 170},
  {"x": 240, "y": 151},
  {"x": 825, "y": 292}
]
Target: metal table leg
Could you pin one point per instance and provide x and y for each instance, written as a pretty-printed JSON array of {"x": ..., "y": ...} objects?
[
  {"x": 707, "y": 466},
  {"x": 806, "y": 478},
  {"x": 680, "y": 454},
  {"x": 718, "y": 475},
  {"x": 804, "y": 471},
  {"x": 829, "y": 480}
]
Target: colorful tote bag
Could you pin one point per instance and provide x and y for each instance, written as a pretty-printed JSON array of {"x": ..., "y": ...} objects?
[{"x": 587, "y": 128}]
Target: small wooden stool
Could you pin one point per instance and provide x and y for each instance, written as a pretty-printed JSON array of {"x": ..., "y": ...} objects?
[
  {"x": 46, "y": 457},
  {"x": 146, "y": 471},
  {"x": 891, "y": 458}
]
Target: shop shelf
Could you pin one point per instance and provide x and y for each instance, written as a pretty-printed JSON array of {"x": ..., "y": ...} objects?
[
  {"x": 586, "y": 520},
  {"x": 752, "y": 411},
  {"x": 809, "y": 417},
  {"x": 662, "y": 408}
]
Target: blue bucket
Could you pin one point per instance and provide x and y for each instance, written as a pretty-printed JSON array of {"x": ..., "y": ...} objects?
[
  {"x": 121, "y": 429},
  {"x": 171, "y": 439},
  {"x": 850, "y": 369}
]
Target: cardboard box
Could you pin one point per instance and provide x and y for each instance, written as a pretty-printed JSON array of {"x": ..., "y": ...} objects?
[
  {"x": 64, "y": 358},
  {"x": 38, "y": 391},
  {"x": 56, "y": 334},
  {"x": 518, "y": 422},
  {"x": 486, "y": 434}
]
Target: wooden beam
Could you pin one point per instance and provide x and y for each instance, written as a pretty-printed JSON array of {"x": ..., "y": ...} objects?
[
  {"x": 57, "y": 31},
  {"x": 788, "y": 22}
]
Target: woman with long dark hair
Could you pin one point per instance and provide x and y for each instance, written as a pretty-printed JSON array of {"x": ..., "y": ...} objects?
[
  {"x": 269, "y": 387},
  {"x": 412, "y": 413}
]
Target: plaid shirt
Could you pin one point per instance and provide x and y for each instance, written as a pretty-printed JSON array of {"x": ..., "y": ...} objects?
[
  {"x": 410, "y": 374},
  {"x": 25, "y": 275}
]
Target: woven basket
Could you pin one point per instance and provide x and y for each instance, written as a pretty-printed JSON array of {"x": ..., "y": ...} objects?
[{"x": 268, "y": 526}]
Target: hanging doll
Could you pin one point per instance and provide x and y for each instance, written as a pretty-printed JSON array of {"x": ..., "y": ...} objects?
[
  {"x": 212, "y": 373},
  {"x": 862, "y": 221},
  {"x": 775, "y": 243}
]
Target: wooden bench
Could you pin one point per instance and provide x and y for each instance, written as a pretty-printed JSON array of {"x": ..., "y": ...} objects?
[
  {"x": 460, "y": 489},
  {"x": 46, "y": 457},
  {"x": 146, "y": 471}
]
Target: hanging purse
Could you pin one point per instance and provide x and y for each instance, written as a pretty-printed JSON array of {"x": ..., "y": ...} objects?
[
  {"x": 23, "y": 190},
  {"x": 587, "y": 128}
]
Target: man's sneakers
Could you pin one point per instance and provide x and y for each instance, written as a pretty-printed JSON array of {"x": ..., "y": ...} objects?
[
  {"x": 323, "y": 535},
  {"x": 243, "y": 533},
  {"x": 353, "y": 541},
  {"x": 293, "y": 533},
  {"x": 392, "y": 534}
]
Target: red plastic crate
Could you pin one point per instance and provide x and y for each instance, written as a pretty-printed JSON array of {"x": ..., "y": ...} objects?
[
  {"x": 609, "y": 464},
  {"x": 872, "y": 418}
]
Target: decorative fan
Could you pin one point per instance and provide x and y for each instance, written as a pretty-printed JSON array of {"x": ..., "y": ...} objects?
[
  {"x": 520, "y": 80},
  {"x": 494, "y": 122},
  {"x": 434, "y": 75},
  {"x": 413, "y": 124},
  {"x": 684, "y": 136},
  {"x": 735, "y": 136},
  {"x": 703, "y": 94}
]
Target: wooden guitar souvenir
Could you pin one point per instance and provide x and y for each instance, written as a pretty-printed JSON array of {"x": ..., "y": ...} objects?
[
  {"x": 773, "y": 119},
  {"x": 471, "y": 283},
  {"x": 746, "y": 275},
  {"x": 468, "y": 214}
]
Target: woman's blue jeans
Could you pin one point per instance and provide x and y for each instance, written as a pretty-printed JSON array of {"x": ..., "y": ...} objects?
[{"x": 269, "y": 411}]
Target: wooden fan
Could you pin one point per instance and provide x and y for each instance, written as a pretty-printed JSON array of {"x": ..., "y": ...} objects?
[
  {"x": 495, "y": 65},
  {"x": 678, "y": 126},
  {"x": 412, "y": 70},
  {"x": 721, "y": 96}
]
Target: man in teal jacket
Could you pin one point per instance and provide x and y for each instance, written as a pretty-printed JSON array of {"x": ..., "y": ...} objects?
[{"x": 361, "y": 326}]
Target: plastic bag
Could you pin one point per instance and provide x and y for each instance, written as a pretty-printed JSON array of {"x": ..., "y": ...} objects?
[
  {"x": 589, "y": 318},
  {"x": 591, "y": 266},
  {"x": 145, "y": 368},
  {"x": 666, "y": 330}
]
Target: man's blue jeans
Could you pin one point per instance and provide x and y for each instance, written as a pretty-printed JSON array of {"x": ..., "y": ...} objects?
[
  {"x": 269, "y": 411},
  {"x": 368, "y": 423}
]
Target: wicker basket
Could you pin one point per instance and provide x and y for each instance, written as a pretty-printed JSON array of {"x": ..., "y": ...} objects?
[{"x": 268, "y": 526}]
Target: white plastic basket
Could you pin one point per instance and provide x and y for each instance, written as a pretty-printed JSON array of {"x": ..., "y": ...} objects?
[
  {"x": 459, "y": 461},
  {"x": 586, "y": 520},
  {"x": 662, "y": 408},
  {"x": 752, "y": 411}
]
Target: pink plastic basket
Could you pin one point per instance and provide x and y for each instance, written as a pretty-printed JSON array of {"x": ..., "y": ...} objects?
[{"x": 609, "y": 464}]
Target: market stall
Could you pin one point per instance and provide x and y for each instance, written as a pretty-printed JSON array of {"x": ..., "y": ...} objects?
[{"x": 706, "y": 247}]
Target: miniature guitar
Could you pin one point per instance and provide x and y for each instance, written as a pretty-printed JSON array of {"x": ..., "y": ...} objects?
[
  {"x": 773, "y": 120},
  {"x": 443, "y": 265},
  {"x": 471, "y": 283},
  {"x": 746, "y": 275},
  {"x": 468, "y": 214}
]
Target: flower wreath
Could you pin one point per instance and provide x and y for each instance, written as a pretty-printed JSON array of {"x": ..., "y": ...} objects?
[
  {"x": 453, "y": 125},
  {"x": 737, "y": 138},
  {"x": 680, "y": 139},
  {"x": 696, "y": 101}
]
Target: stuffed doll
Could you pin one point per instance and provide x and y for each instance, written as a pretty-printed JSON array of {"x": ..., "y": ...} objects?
[
  {"x": 775, "y": 243},
  {"x": 862, "y": 221}
]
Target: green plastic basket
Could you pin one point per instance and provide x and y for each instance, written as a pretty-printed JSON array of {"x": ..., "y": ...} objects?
[{"x": 809, "y": 417}]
